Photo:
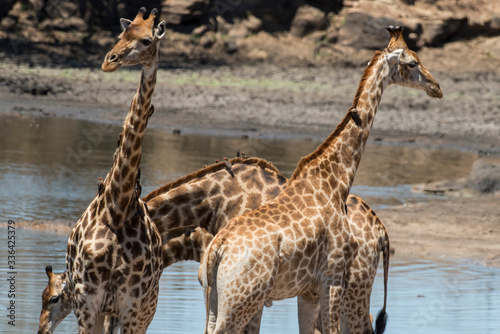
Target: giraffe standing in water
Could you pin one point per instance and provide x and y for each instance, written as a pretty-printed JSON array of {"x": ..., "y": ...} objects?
[
  {"x": 300, "y": 243},
  {"x": 189, "y": 211},
  {"x": 114, "y": 255}
]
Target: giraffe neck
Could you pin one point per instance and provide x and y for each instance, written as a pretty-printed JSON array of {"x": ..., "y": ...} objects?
[
  {"x": 205, "y": 201},
  {"x": 120, "y": 183},
  {"x": 210, "y": 197},
  {"x": 185, "y": 244},
  {"x": 336, "y": 160}
]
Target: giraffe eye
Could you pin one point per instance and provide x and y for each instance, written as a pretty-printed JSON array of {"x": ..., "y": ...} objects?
[
  {"x": 412, "y": 64},
  {"x": 54, "y": 299},
  {"x": 146, "y": 42}
]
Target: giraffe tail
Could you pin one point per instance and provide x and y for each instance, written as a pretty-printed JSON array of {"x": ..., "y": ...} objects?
[
  {"x": 382, "y": 316},
  {"x": 207, "y": 276}
]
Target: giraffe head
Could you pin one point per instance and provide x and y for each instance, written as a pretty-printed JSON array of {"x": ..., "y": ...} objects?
[
  {"x": 137, "y": 43},
  {"x": 56, "y": 303},
  {"x": 407, "y": 70}
]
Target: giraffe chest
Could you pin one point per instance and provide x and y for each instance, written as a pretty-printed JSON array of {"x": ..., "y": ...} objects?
[{"x": 101, "y": 253}]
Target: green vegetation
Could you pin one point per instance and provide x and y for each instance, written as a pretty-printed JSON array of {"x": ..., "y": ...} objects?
[{"x": 184, "y": 77}]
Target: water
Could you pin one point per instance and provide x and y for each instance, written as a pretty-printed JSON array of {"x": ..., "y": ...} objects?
[
  {"x": 49, "y": 169},
  {"x": 424, "y": 296},
  {"x": 440, "y": 297},
  {"x": 49, "y": 166}
]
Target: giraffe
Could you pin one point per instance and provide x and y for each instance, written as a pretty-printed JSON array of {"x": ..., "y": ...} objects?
[
  {"x": 189, "y": 211},
  {"x": 56, "y": 302},
  {"x": 299, "y": 244},
  {"x": 373, "y": 239},
  {"x": 217, "y": 194},
  {"x": 57, "y": 305},
  {"x": 114, "y": 257},
  {"x": 209, "y": 201}
]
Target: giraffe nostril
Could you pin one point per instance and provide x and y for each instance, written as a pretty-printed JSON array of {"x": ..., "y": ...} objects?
[{"x": 112, "y": 57}]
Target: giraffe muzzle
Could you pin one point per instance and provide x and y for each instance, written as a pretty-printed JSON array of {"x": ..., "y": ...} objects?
[
  {"x": 111, "y": 62},
  {"x": 435, "y": 90}
]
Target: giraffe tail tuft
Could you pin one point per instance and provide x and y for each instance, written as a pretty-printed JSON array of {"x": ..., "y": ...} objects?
[{"x": 381, "y": 322}]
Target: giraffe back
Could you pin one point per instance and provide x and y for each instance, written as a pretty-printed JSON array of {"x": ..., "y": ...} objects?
[{"x": 210, "y": 197}]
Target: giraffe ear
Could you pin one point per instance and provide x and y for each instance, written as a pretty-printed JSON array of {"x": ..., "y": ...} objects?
[
  {"x": 125, "y": 23},
  {"x": 160, "y": 30},
  {"x": 393, "y": 57}
]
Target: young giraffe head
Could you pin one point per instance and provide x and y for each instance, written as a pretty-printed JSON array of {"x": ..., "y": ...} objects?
[
  {"x": 56, "y": 303},
  {"x": 137, "y": 43},
  {"x": 410, "y": 71}
]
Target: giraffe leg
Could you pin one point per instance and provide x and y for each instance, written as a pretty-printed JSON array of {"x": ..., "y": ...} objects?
[
  {"x": 132, "y": 326},
  {"x": 224, "y": 327},
  {"x": 355, "y": 318},
  {"x": 110, "y": 325},
  {"x": 330, "y": 296},
  {"x": 99, "y": 324},
  {"x": 219, "y": 318},
  {"x": 211, "y": 305},
  {"x": 253, "y": 327},
  {"x": 231, "y": 301},
  {"x": 308, "y": 309},
  {"x": 136, "y": 321},
  {"x": 87, "y": 316},
  {"x": 225, "y": 319},
  {"x": 344, "y": 323},
  {"x": 330, "y": 308}
]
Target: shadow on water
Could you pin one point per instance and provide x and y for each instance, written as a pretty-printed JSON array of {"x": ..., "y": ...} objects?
[{"x": 49, "y": 169}]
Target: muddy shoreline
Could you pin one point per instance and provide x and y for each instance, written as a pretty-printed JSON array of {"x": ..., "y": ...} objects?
[
  {"x": 304, "y": 102},
  {"x": 263, "y": 101}
]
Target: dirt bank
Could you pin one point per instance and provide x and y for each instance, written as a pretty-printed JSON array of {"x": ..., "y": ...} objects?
[
  {"x": 263, "y": 101},
  {"x": 465, "y": 228}
]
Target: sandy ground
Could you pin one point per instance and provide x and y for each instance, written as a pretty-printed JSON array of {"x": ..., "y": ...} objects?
[
  {"x": 272, "y": 101},
  {"x": 465, "y": 228}
]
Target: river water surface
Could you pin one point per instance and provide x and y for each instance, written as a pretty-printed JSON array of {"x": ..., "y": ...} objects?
[{"x": 49, "y": 169}]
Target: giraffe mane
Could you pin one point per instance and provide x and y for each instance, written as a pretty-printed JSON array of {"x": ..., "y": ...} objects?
[
  {"x": 364, "y": 78},
  {"x": 325, "y": 144},
  {"x": 207, "y": 170}
]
